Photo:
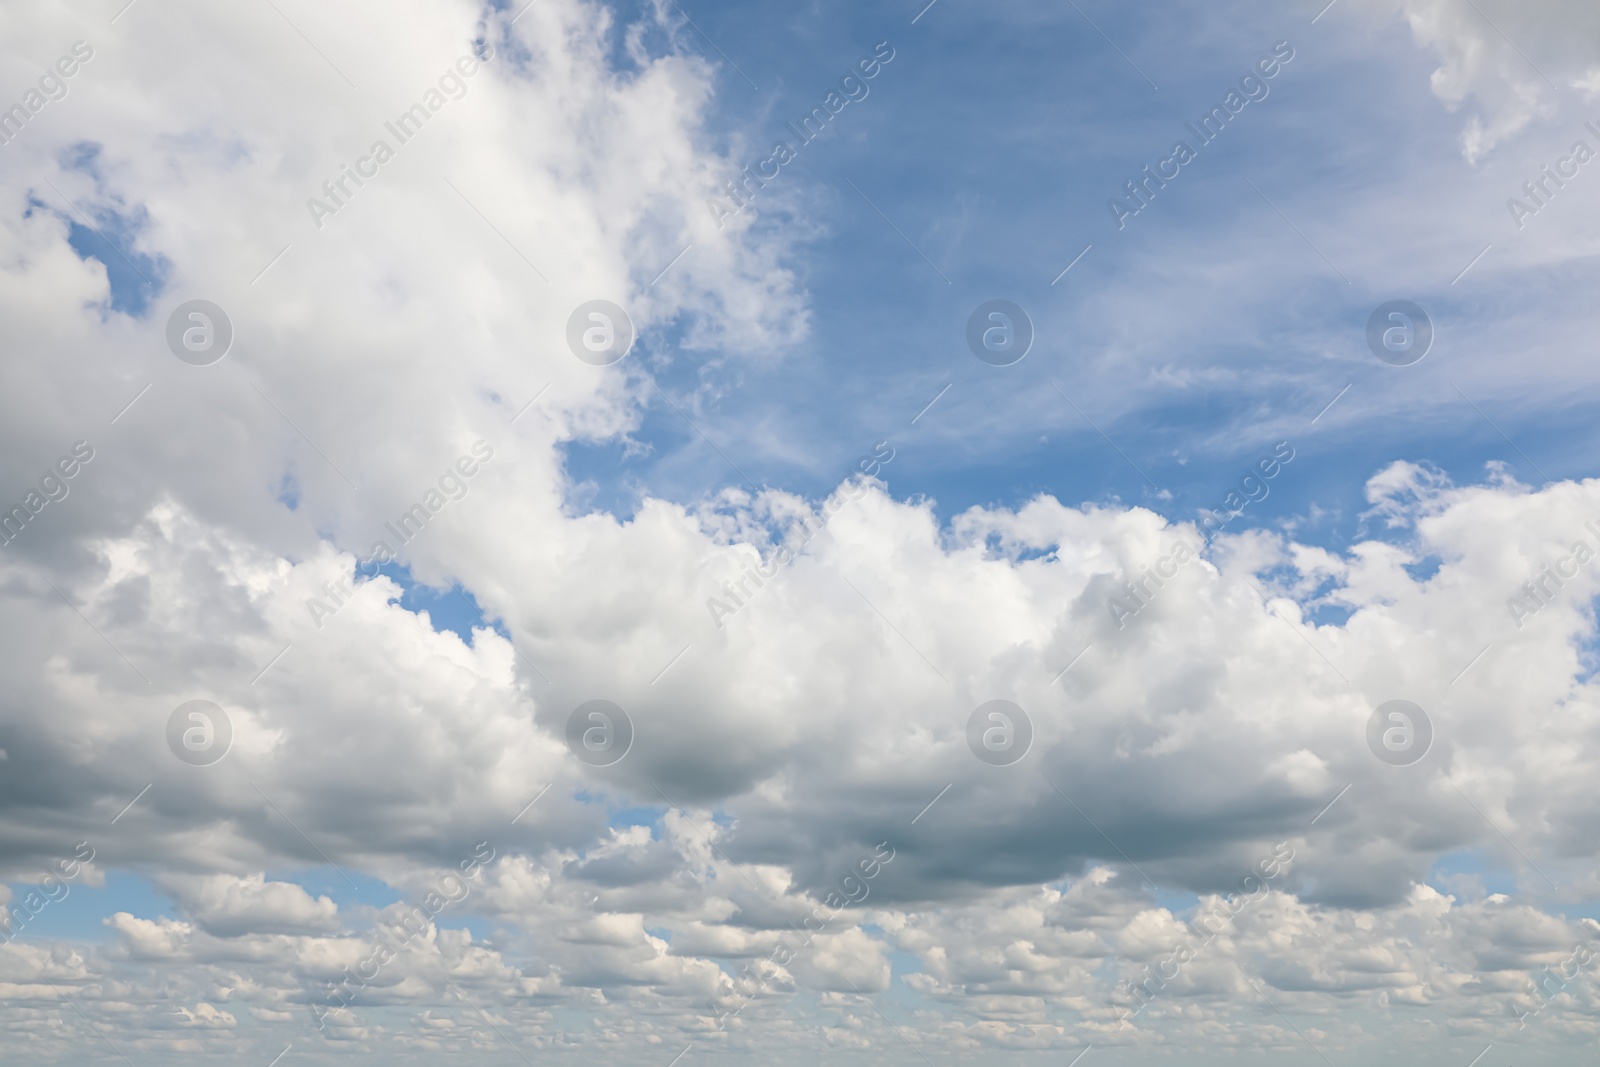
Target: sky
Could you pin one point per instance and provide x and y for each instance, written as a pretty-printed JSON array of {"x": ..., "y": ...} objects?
[{"x": 674, "y": 533}]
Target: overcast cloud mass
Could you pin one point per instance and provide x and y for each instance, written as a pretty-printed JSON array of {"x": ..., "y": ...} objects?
[{"x": 590, "y": 532}]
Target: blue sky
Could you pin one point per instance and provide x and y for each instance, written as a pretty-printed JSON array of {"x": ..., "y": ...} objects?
[{"x": 993, "y": 141}]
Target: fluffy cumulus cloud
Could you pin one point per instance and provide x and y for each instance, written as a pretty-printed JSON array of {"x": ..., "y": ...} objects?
[
  {"x": 802, "y": 854},
  {"x": 1510, "y": 60}
]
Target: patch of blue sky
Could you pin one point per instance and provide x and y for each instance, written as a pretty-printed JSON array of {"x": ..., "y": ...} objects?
[
  {"x": 1223, "y": 318},
  {"x": 79, "y": 916},
  {"x": 1464, "y": 873},
  {"x": 1588, "y": 653},
  {"x": 325, "y": 881},
  {"x": 289, "y": 491},
  {"x": 134, "y": 278},
  {"x": 106, "y": 230},
  {"x": 451, "y": 609},
  {"x": 650, "y": 816}
]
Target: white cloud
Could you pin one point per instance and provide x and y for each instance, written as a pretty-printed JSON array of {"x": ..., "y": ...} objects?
[
  {"x": 226, "y": 906},
  {"x": 1508, "y": 57}
]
